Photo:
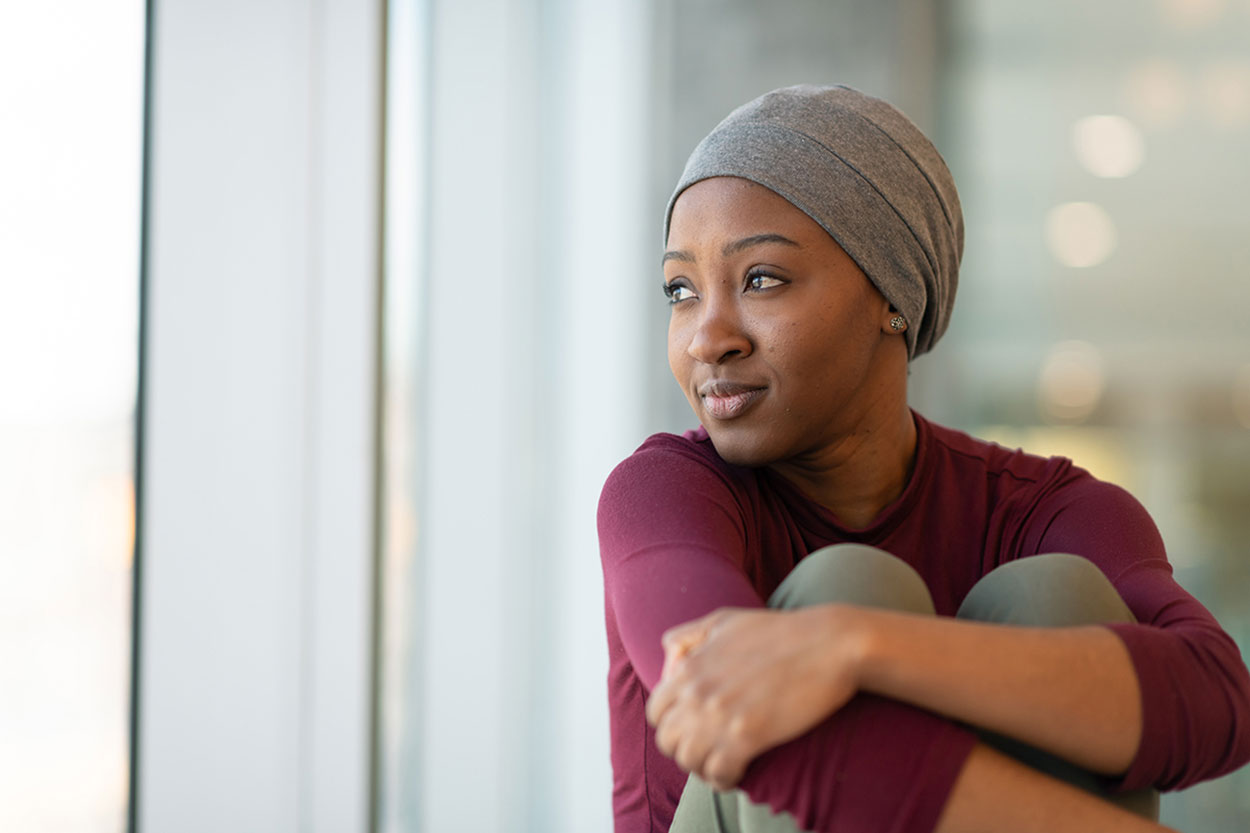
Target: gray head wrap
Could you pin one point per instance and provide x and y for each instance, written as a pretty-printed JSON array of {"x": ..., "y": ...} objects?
[{"x": 867, "y": 175}]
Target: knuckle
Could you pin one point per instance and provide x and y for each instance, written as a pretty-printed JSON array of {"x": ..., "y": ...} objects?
[
  {"x": 741, "y": 728},
  {"x": 666, "y": 738},
  {"x": 709, "y": 694},
  {"x": 700, "y": 690},
  {"x": 658, "y": 703},
  {"x": 686, "y": 759},
  {"x": 720, "y": 770},
  {"x": 716, "y": 702},
  {"x": 672, "y": 635}
]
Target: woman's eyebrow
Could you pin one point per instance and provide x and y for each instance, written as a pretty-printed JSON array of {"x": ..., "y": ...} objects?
[
  {"x": 734, "y": 247},
  {"x": 679, "y": 254},
  {"x": 756, "y": 240}
]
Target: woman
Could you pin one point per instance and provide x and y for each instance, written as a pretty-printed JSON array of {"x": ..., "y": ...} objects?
[{"x": 812, "y": 250}]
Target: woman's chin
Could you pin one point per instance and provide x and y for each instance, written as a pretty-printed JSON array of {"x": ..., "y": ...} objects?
[{"x": 737, "y": 450}]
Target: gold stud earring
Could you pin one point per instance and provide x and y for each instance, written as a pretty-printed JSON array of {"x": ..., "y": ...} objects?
[{"x": 898, "y": 322}]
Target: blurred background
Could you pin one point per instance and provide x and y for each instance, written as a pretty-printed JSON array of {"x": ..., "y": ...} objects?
[{"x": 323, "y": 321}]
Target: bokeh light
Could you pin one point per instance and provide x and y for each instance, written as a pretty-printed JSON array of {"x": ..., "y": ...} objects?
[
  {"x": 1108, "y": 146},
  {"x": 1071, "y": 382},
  {"x": 1080, "y": 234},
  {"x": 1157, "y": 92},
  {"x": 1224, "y": 91},
  {"x": 1192, "y": 14}
]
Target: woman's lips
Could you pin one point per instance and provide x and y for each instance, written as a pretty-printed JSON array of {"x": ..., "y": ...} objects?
[{"x": 722, "y": 401}]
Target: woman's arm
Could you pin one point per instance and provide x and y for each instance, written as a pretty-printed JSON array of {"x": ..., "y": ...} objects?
[
  {"x": 1071, "y": 692},
  {"x": 995, "y": 793},
  {"x": 1167, "y": 700},
  {"x": 675, "y": 547},
  {"x": 1193, "y": 682},
  {"x": 792, "y": 667},
  {"x": 673, "y": 543},
  {"x": 739, "y": 682}
]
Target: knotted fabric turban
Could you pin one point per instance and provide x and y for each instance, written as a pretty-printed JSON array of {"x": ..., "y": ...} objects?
[{"x": 867, "y": 175}]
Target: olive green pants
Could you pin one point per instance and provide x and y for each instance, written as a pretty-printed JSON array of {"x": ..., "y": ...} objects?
[{"x": 1042, "y": 591}]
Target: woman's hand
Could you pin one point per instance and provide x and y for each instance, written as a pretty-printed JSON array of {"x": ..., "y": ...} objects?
[{"x": 739, "y": 682}]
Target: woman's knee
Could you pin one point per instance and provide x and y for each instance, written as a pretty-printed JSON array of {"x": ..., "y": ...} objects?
[
  {"x": 1052, "y": 590},
  {"x": 853, "y": 574}
]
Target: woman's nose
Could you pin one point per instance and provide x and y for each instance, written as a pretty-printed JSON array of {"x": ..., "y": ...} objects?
[{"x": 719, "y": 334}]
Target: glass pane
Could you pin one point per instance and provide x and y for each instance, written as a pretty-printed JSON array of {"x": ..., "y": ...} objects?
[
  {"x": 1104, "y": 309},
  {"x": 1104, "y": 300},
  {"x": 71, "y": 91}
]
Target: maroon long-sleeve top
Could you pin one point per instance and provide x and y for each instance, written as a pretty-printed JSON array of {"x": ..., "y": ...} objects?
[{"x": 683, "y": 533}]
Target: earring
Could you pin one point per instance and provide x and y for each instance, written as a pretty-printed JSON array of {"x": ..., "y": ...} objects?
[{"x": 898, "y": 322}]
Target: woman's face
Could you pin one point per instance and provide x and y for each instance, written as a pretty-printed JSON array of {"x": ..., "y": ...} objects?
[{"x": 779, "y": 341}]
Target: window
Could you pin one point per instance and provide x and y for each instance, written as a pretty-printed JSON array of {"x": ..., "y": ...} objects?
[{"x": 71, "y": 151}]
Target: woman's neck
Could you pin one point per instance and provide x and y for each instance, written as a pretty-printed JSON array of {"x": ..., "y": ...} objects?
[{"x": 863, "y": 472}]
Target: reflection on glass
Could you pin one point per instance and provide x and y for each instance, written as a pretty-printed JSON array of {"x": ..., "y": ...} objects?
[{"x": 71, "y": 90}]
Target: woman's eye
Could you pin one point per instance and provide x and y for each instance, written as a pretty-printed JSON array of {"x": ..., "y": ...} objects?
[
  {"x": 676, "y": 292},
  {"x": 760, "y": 281}
]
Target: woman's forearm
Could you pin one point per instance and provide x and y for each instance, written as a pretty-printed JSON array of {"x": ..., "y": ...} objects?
[
  {"x": 1072, "y": 692},
  {"x": 994, "y": 793}
]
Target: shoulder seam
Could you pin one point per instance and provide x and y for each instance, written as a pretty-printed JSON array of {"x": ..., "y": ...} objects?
[{"x": 996, "y": 470}]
